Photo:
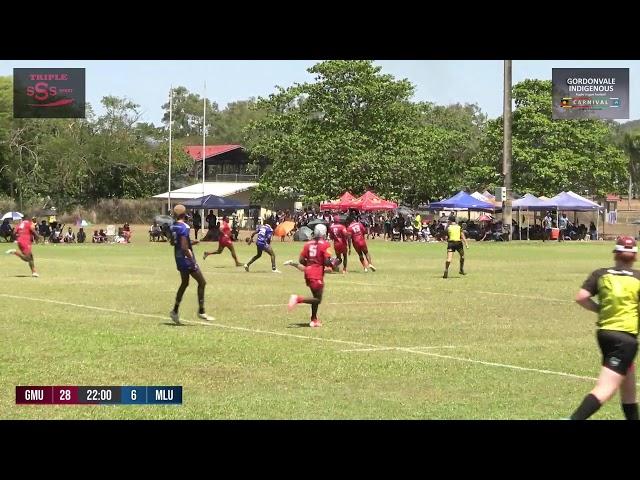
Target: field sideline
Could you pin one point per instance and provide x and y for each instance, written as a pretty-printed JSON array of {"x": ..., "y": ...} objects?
[{"x": 504, "y": 342}]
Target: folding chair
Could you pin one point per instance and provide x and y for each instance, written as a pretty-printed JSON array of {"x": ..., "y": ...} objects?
[{"x": 111, "y": 233}]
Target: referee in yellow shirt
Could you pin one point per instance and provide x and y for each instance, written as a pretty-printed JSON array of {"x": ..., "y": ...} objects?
[
  {"x": 455, "y": 237},
  {"x": 618, "y": 291}
]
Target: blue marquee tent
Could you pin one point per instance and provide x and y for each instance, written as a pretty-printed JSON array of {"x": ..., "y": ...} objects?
[
  {"x": 214, "y": 201},
  {"x": 462, "y": 201},
  {"x": 572, "y": 202}
]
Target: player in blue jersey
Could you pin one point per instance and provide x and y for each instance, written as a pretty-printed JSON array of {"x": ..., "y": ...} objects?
[
  {"x": 263, "y": 243},
  {"x": 186, "y": 263}
]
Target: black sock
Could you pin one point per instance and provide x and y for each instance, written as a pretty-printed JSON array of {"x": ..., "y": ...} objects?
[
  {"x": 588, "y": 407},
  {"x": 446, "y": 267},
  {"x": 176, "y": 307},
  {"x": 630, "y": 411},
  {"x": 462, "y": 264}
]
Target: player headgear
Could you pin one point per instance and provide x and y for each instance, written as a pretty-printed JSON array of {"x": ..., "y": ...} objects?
[
  {"x": 626, "y": 247},
  {"x": 320, "y": 231}
]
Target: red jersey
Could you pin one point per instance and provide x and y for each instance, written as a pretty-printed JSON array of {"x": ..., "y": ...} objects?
[
  {"x": 225, "y": 229},
  {"x": 23, "y": 231},
  {"x": 357, "y": 232},
  {"x": 315, "y": 252},
  {"x": 338, "y": 233}
]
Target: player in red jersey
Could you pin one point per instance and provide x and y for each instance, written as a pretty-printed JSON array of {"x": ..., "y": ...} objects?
[
  {"x": 225, "y": 241},
  {"x": 357, "y": 231},
  {"x": 25, "y": 234},
  {"x": 338, "y": 233},
  {"x": 314, "y": 257}
]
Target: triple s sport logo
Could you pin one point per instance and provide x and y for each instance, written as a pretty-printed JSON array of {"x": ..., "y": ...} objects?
[{"x": 49, "y": 93}]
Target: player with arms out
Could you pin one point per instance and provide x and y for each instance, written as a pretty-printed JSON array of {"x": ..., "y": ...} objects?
[
  {"x": 315, "y": 256},
  {"x": 263, "y": 244},
  {"x": 618, "y": 291},
  {"x": 356, "y": 232},
  {"x": 186, "y": 264},
  {"x": 224, "y": 242},
  {"x": 455, "y": 237},
  {"x": 25, "y": 235},
  {"x": 338, "y": 233}
]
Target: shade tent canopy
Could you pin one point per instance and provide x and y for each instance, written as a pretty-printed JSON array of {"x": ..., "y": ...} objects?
[
  {"x": 213, "y": 201},
  {"x": 481, "y": 197},
  {"x": 345, "y": 202},
  {"x": 368, "y": 202},
  {"x": 462, "y": 200},
  {"x": 572, "y": 202},
  {"x": 347, "y": 197},
  {"x": 530, "y": 202}
]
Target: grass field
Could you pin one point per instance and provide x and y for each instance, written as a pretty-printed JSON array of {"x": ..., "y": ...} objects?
[{"x": 504, "y": 342}]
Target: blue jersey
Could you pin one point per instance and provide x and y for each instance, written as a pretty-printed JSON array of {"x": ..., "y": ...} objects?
[
  {"x": 265, "y": 232},
  {"x": 180, "y": 230}
]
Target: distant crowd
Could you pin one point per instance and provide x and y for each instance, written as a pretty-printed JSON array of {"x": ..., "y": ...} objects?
[{"x": 54, "y": 232}]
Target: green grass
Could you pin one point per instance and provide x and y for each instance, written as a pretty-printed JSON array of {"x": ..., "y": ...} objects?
[{"x": 514, "y": 308}]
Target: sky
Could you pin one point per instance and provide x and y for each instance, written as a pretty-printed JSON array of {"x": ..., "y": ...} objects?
[{"x": 147, "y": 82}]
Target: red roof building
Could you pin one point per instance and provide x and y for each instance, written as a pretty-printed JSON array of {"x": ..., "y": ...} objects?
[
  {"x": 224, "y": 163},
  {"x": 195, "y": 151}
]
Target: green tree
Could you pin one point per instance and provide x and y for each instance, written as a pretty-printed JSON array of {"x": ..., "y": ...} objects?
[
  {"x": 231, "y": 123},
  {"x": 630, "y": 143},
  {"x": 550, "y": 155},
  {"x": 187, "y": 116},
  {"x": 353, "y": 128}
]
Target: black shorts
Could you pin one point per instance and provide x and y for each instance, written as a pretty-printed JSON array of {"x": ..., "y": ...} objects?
[
  {"x": 618, "y": 350},
  {"x": 455, "y": 247}
]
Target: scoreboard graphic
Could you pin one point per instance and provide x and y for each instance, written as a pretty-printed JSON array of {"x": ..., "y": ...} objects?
[{"x": 77, "y": 395}]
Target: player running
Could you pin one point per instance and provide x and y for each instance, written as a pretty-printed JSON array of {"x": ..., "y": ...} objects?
[
  {"x": 25, "y": 234},
  {"x": 338, "y": 233},
  {"x": 224, "y": 242},
  {"x": 455, "y": 237},
  {"x": 186, "y": 264},
  {"x": 618, "y": 291},
  {"x": 263, "y": 244},
  {"x": 315, "y": 256},
  {"x": 356, "y": 232}
]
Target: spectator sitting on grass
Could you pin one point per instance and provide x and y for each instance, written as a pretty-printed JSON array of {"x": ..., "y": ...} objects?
[
  {"x": 44, "y": 230},
  {"x": 155, "y": 232},
  {"x": 69, "y": 237},
  {"x": 56, "y": 234},
  {"x": 82, "y": 236},
  {"x": 126, "y": 232},
  {"x": 6, "y": 230},
  {"x": 103, "y": 236},
  {"x": 96, "y": 237}
]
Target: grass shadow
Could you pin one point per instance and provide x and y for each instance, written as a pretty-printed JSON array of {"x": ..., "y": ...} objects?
[{"x": 298, "y": 325}]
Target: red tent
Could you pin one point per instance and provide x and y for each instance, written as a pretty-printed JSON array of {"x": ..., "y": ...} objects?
[
  {"x": 347, "y": 197},
  {"x": 370, "y": 202},
  {"x": 345, "y": 202}
]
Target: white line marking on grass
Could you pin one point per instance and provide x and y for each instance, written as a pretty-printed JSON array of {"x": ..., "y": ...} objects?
[
  {"x": 379, "y": 349},
  {"x": 308, "y": 337},
  {"x": 531, "y": 297},
  {"x": 525, "y": 296}
]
